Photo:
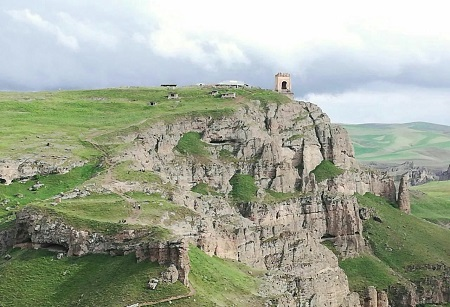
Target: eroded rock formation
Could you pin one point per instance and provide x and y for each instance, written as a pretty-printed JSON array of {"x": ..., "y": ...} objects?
[
  {"x": 279, "y": 146},
  {"x": 36, "y": 229},
  {"x": 403, "y": 195},
  {"x": 28, "y": 167}
]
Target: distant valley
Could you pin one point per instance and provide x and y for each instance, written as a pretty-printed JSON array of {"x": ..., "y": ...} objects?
[{"x": 425, "y": 144}]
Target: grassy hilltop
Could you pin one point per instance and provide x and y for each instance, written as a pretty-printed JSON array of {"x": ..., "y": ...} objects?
[
  {"x": 65, "y": 122},
  {"x": 89, "y": 125}
]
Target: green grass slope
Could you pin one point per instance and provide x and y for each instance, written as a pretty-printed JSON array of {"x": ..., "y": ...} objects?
[
  {"x": 367, "y": 270},
  {"x": 424, "y": 143},
  {"x": 219, "y": 282},
  {"x": 17, "y": 194},
  {"x": 431, "y": 201},
  {"x": 37, "y": 278},
  {"x": 399, "y": 242}
]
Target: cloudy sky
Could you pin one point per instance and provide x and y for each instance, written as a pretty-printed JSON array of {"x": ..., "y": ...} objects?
[{"x": 383, "y": 61}]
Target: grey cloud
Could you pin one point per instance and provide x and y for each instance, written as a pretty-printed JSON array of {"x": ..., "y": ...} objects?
[{"x": 94, "y": 44}]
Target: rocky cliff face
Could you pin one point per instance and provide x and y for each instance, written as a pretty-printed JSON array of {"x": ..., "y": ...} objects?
[
  {"x": 279, "y": 146},
  {"x": 434, "y": 289}
]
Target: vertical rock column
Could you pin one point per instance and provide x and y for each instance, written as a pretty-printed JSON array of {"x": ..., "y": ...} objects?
[{"x": 403, "y": 195}]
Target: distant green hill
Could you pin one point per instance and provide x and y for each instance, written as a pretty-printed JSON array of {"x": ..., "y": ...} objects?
[{"x": 425, "y": 144}]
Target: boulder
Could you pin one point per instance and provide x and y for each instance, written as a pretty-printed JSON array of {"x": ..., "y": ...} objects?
[
  {"x": 152, "y": 283},
  {"x": 170, "y": 275}
]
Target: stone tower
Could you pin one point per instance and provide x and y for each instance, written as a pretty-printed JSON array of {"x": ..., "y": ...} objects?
[{"x": 283, "y": 83}]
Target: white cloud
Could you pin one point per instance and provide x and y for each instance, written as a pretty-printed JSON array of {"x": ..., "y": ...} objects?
[
  {"x": 87, "y": 31},
  {"x": 385, "y": 103},
  {"x": 36, "y": 20},
  {"x": 383, "y": 36},
  {"x": 69, "y": 31}
]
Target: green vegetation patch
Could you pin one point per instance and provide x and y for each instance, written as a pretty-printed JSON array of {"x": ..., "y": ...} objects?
[
  {"x": 326, "y": 170},
  {"x": 204, "y": 189},
  {"x": 124, "y": 172},
  {"x": 244, "y": 188},
  {"x": 99, "y": 207},
  {"x": 403, "y": 240},
  {"x": 227, "y": 156},
  {"x": 156, "y": 209},
  {"x": 155, "y": 233},
  {"x": 273, "y": 196},
  {"x": 191, "y": 144},
  {"x": 36, "y": 278},
  {"x": 18, "y": 194},
  {"x": 330, "y": 245},
  {"x": 295, "y": 137},
  {"x": 219, "y": 282},
  {"x": 431, "y": 201},
  {"x": 367, "y": 270}
]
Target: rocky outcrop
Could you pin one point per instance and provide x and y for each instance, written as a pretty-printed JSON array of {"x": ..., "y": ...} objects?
[
  {"x": 374, "y": 298},
  {"x": 382, "y": 299},
  {"x": 401, "y": 295},
  {"x": 279, "y": 145},
  {"x": 403, "y": 201},
  {"x": 7, "y": 239},
  {"x": 26, "y": 168},
  {"x": 432, "y": 289},
  {"x": 169, "y": 252},
  {"x": 170, "y": 275},
  {"x": 39, "y": 229},
  {"x": 361, "y": 181},
  {"x": 417, "y": 174},
  {"x": 445, "y": 175}
]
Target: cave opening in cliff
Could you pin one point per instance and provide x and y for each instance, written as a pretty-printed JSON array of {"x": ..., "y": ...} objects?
[
  {"x": 327, "y": 236},
  {"x": 222, "y": 141},
  {"x": 2, "y": 181}
]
